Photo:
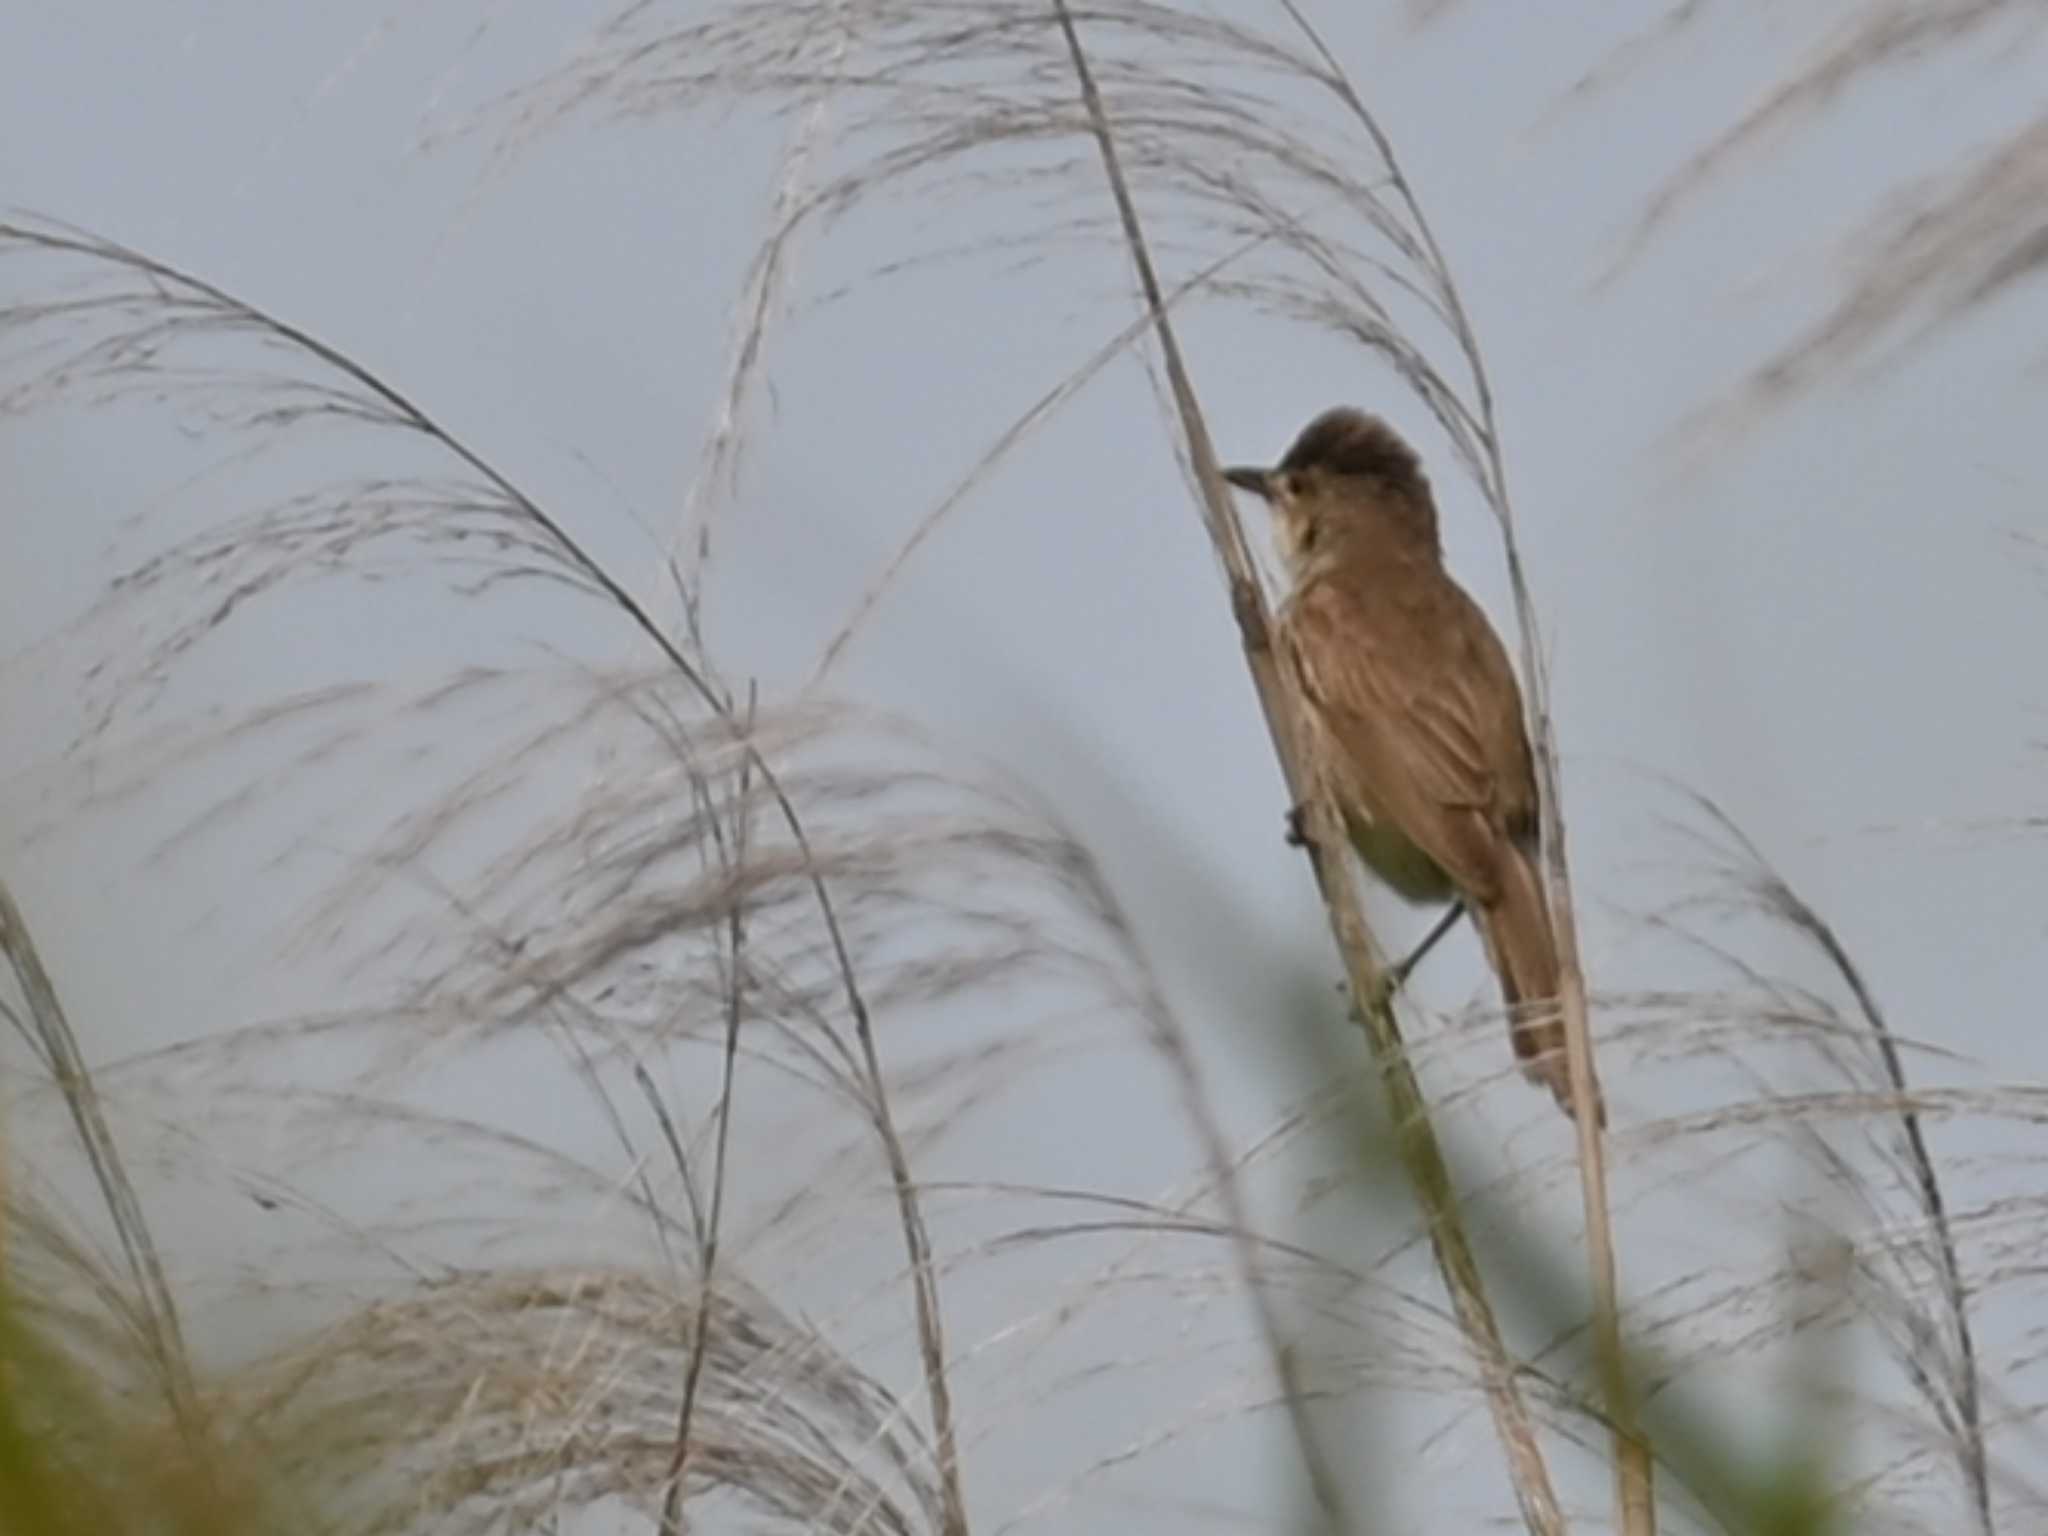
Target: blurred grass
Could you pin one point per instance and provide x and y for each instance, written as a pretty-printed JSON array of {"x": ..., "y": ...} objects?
[
  {"x": 79, "y": 1451},
  {"x": 76, "y": 1461},
  {"x": 1543, "y": 1294}
]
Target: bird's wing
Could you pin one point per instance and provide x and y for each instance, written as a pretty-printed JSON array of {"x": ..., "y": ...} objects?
[{"x": 1416, "y": 693}]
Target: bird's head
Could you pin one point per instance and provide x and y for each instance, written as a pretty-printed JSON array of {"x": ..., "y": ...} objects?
[{"x": 1344, "y": 465}]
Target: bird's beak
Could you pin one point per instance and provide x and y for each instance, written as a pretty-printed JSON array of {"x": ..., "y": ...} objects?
[{"x": 1245, "y": 478}]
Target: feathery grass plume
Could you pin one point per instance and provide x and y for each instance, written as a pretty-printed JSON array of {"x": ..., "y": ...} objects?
[
  {"x": 103, "y": 1426},
  {"x": 554, "y": 1390},
  {"x": 1836, "y": 1235},
  {"x": 77, "y": 1460},
  {"x": 1307, "y": 783},
  {"x": 690, "y": 549},
  {"x": 597, "y": 877},
  {"x": 1822, "y": 1122},
  {"x": 1209, "y": 134},
  {"x": 470, "y": 1399},
  {"x": 610, "y": 925},
  {"x": 527, "y": 947},
  {"x": 1799, "y": 1369},
  {"x": 1945, "y": 247},
  {"x": 148, "y": 1309},
  {"x": 130, "y": 329},
  {"x": 1914, "y": 1287},
  {"x": 953, "y": 899},
  {"x": 486, "y": 1366},
  {"x": 115, "y": 338}
]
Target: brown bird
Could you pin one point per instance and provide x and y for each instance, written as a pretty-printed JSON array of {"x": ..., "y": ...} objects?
[{"x": 1417, "y": 710}]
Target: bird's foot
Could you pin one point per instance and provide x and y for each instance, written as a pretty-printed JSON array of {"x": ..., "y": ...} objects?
[
  {"x": 1388, "y": 984},
  {"x": 1385, "y": 987},
  {"x": 1297, "y": 826}
]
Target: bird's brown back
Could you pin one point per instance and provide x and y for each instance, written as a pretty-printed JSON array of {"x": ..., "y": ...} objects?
[
  {"x": 1417, "y": 705},
  {"x": 1408, "y": 676}
]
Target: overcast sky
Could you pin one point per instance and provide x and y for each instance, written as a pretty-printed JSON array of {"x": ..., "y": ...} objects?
[{"x": 1827, "y": 625}]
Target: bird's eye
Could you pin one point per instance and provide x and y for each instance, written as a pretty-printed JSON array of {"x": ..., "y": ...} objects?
[{"x": 1290, "y": 485}]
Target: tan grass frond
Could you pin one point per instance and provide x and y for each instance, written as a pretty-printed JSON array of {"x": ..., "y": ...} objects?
[{"x": 1936, "y": 250}]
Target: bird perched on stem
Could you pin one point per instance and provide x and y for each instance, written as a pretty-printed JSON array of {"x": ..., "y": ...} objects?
[{"x": 1416, "y": 708}]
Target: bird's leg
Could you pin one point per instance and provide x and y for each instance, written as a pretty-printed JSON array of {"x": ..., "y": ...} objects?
[
  {"x": 1430, "y": 940},
  {"x": 1395, "y": 977}
]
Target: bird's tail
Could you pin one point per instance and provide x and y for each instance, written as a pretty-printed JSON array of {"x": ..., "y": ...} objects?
[{"x": 1523, "y": 947}]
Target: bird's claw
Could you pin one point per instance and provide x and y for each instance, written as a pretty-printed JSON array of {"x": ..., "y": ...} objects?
[
  {"x": 1387, "y": 985},
  {"x": 1297, "y": 826}
]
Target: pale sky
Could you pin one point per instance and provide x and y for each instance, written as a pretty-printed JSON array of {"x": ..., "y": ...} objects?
[{"x": 1829, "y": 625}]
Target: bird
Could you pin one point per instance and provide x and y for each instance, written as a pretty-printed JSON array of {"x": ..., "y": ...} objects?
[{"x": 1415, "y": 709}]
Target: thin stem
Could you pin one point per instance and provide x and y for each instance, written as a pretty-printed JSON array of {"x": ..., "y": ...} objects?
[
  {"x": 1417, "y": 1140},
  {"x": 1634, "y": 1488},
  {"x": 412, "y": 417},
  {"x": 1965, "y": 1382},
  {"x": 735, "y": 859},
  {"x": 1969, "y": 1404},
  {"x": 156, "y": 1310}
]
